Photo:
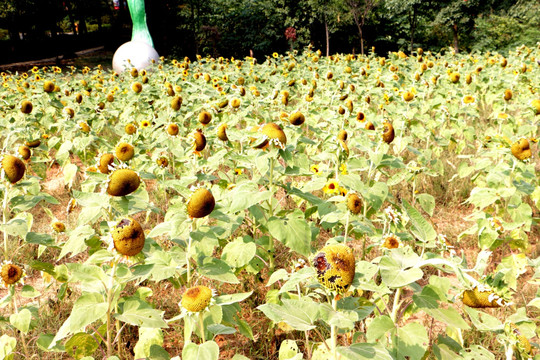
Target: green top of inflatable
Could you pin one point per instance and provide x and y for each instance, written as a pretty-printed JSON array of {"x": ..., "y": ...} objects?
[{"x": 138, "y": 17}]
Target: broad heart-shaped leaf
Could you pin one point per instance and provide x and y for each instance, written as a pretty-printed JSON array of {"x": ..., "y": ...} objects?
[
  {"x": 410, "y": 342},
  {"x": 217, "y": 269},
  {"x": 427, "y": 202},
  {"x": 422, "y": 229},
  {"x": 220, "y": 329},
  {"x": 246, "y": 195},
  {"x": 81, "y": 345},
  {"x": 427, "y": 301},
  {"x": 512, "y": 267},
  {"x": 483, "y": 321},
  {"x": 76, "y": 242},
  {"x": 239, "y": 252},
  {"x": 379, "y": 327},
  {"x": 376, "y": 195},
  {"x": 21, "y": 320},
  {"x": 86, "y": 273},
  {"x": 364, "y": 351},
  {"x": 293, "y": 231},
  {"x": 288, "y": 350},
  {"x": 88, "y": 308},
  {"x": 483, "y": 197},
  {"x": 7, "y": 345},
  {"x": 207, "y": 351},
  {"x": 147, "y": 338},
  {"x": 397, "y": 268},
  {"x": 139, "y": 313},
  {"x": 299, "y": 314},
  {"x": 476, "y": 352},
  {"x": 232, "y": 298}
]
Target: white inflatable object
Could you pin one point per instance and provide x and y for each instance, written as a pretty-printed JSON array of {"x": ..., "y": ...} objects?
[{"x": 139, "y": 54}]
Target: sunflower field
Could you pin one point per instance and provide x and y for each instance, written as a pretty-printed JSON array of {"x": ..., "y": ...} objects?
[{"x": 309, "y": 207}]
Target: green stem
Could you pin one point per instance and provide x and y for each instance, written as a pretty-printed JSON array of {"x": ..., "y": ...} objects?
[
  {"x": 271, "y": 240},
  {"x": 347, "y": 226},
  {"x": 201, "y": 325},
  {"x": 395, "y": 306},
  {"x": 5, "y": 217},
  {"x": 188, "y": 250},
  {"x": 110, "y": 296}
]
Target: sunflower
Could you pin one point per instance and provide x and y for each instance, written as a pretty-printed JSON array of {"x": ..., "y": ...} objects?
[
  {"x": 48, "y": 86},
  {"x": 521, "y": 149},
  {"x": 235, "y": 103},
  {"x": 123, "y": 182},
  {"x": 136, "y": 87},
  {"x": 335, "y": 267},
  {"x": 468, "y": 100},
  {"x": 197, "y": 299},
  {"x": 58, "y": 226},
  {"x": 124, "y": 151},
  {"x": 297, "y": 118},
  {"x": 83, "y": 125},
  {"x": 199, "y": 140},
  {"x": 343, "y": 169},
  {"x": 391, "y": 241},
  {"x": 342, "y": 135},
  {"x": 176, "y": 103},
  {"x": 354, "y": 203},
  {"x": 205, "y": 117},
  {"x": 128, "y": 237},
  {"x": 331, "y": 187},
  {"x": 201, "y": 203},
  {"x": 130, "y": 129},
  {"x": 13, "y": 168},
  {"x": 104, "y": 163},
  {"x": 535, "y": 105},
  {"x": 25, "y": 152},
  {"x": 26, "y": 107},
  {"x": 482, "y": 297},
  {"x": 275, "y": 55},
  {"x": 315, "y": 169},
  {"x": 11, "y": 274},
  {"x": 145, "y": 123},
  {"x": 507, "y": 96},
  {"x": 388, "y": 132},
  {"x": 69, "y": 112},
  {"x": 407, "y": 96},
  {"x": 162, "y": 162}
]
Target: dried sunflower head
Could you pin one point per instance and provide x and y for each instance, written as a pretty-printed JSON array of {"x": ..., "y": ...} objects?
[
  {"x": 58, "y": 226},
  {"x": 335, "y": 267},
  {"x": 205, "y": 117},
  {"x": 176, "y": 103},
  {"x": 201, "y": 203},
  {"x": 26, "y": 107},
  {"x": 222, "y": 132},
  {"x": 128, "y": 237},
  {"x": 123, "y": 182},
  {"x": 199, "y": 140},
  {"x": 483, "y": 297},
  {"x": 25, "y": 152},
  {"x": 521, "y": 149},
  {"x": 388, "y": 133},
  {"x": 104, "y": 161},
  {"x": 354, "y": 203},
  {"x": 13, "y": 167},
  {"x": 297, "y": 118}
]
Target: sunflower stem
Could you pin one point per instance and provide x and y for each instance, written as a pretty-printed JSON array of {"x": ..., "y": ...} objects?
[
  {"x": 188, "y": 250},
  {"x": 16, "y": 311},
  {"x": 333, "y": 332},
  {"x": 395, "y": 306},
  {"x": 347, "y": 226},
  {"x": 5, "y": 216},
  {"x": 201, "y": 325},
  {"x": 271, "y": 186},
  {"x": 110, "y": 296}
]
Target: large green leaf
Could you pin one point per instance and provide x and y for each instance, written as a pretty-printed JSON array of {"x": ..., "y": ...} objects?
[
  {"x": 397, "y": 270},
  {"x": 365, "y": 351},
  {"x": 147, "y": 338},
  {"x": 207, "y": 351},
  {"x": 379, "y": 327},
  {"x": 81, "y": 345},
  {"x": 427, "y": 301},
  {"x": 410, "y": 342},
  {"x": 422, "y": 229},
  {"x": 239, "y": 252},
  {"x": 299, "y": 314},
  {"x": 139, "y": 313},
  {"x": 76, "y": 242},
  {"x": 21, "y": 320},
  {"x": 217, "y": 269},
  {"x": 293, "y": 231}
]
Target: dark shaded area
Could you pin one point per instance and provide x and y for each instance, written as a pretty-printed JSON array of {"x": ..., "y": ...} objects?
[{"x": 38, "y": 29}]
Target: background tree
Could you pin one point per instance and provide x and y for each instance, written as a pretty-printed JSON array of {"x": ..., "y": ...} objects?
[{"x": 360, "y": 11}]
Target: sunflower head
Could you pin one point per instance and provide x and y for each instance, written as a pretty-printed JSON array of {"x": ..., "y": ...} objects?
[
  {"x": 275, "y": 133},
  {"x": 388, "y": 133},
  {"x": 25, "y": 152},
  {"x": 136, "y": 87},
  {"x": 205, "y": 117},
  {"x": 480, "y": 297},
  {"x": 201, "y": 203},
  {"x": 199, "y": 140},
  {"x": 124, "y": 151},
  {"x": 128, "y": 237},
  {"x": 104, "y": 161},
  {"x": 13, "y": 167},
  {"x": 354, "y": 203},
  {"x": 162, "y": 162},
  {"x": 331, "y": 187},
  {"x": 222, "y": 132},
  {"x": 123, "y": 182},
  {"x": 335, "y": 267},
  {"x": 342, "y": 135},
  {"x": 83, "y": 125},
  {"x": 507, "y": 96},
  {"x": 130, "y": 129},
  {"x": 235, "y": 103},
  {"x": 176, "y": 103},
  {"x": 78, "y": 98},
  {"x": 521, "y": 149},
  {"x": 535, "y": 104},
  {"x": 69, "y": 112},
  {"x": 391, "y": 241},
  {"x": 521, "y": 343},
  {"x": 370, "y": 126},
  {"x": 408, "y": 96},
  {"x": 11, "y": 273},
  {"x": 361, "y": 116},
  {"x": 454, "y": 77},
  {"x": 134, "y": 72},
  {"x": 196, "y": 299},
  {"x": 110, "y": 97},
  {"x": 58, "y": 226},
  {"x": 48, "y": 86},
  {"x": 26, "y": 107},
  {"x": 297, "y": 118}
]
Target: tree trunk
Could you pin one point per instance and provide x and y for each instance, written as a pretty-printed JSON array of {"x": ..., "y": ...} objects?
[
  {"x": 412, "y": 19},
  {"x": 327, "y": 36},
  {"x": 455, "y": 28}
]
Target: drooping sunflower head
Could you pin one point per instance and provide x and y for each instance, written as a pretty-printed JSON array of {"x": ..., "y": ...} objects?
[
  {"x": 521, "y": 149},
  {"x": 130, "y": 129},
  {"x": 222, "y": 132},
  {"x": 408, "y": 96},
  {"x": 507, "y": 96},
  {"x": 388, "y": 132},
  {"x": 128, "y": 237},
  {"x": 196, "y": 299},
  {"x": 13, "y": 167},
  {"x": 205, "y": 117},
  {"x": 162, "y": 162},
  {"x": 83, "y": 125},
  {"x": 11, "y": 274},
  {"x": 454, "y": 77},
  {"x": 354, "y": 203},
  {"x": 124, "y": 151},
  {"x": 48, "y": 86},
  {"x": 176, "y": 103},
  {"x": 201, "y": 203},
  {"x": 235, "y": 103},
  {"x": 123, "y": 182},
  {"x": 25, "y": 152},
  {"x": 370, "y": 126},
  {"x": 483, "y": 297},
  {"x": 275, "y": 133},
  {"x": 26, "y": 107},
  {"x": 297, "y": 118},
  {"x": 521, "y": 343},
  {"x": 104, "y": 161},
  {"x": 199, "y": 140},
  {"x": 136, "y": 87},
  {"x": 335, "y": 267}
]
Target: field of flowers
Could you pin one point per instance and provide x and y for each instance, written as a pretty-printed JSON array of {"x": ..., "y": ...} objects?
[{"x": 221, "y": 208}]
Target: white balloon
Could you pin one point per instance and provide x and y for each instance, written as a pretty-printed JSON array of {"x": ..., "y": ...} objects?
[{"x": 139, "y": 54}]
